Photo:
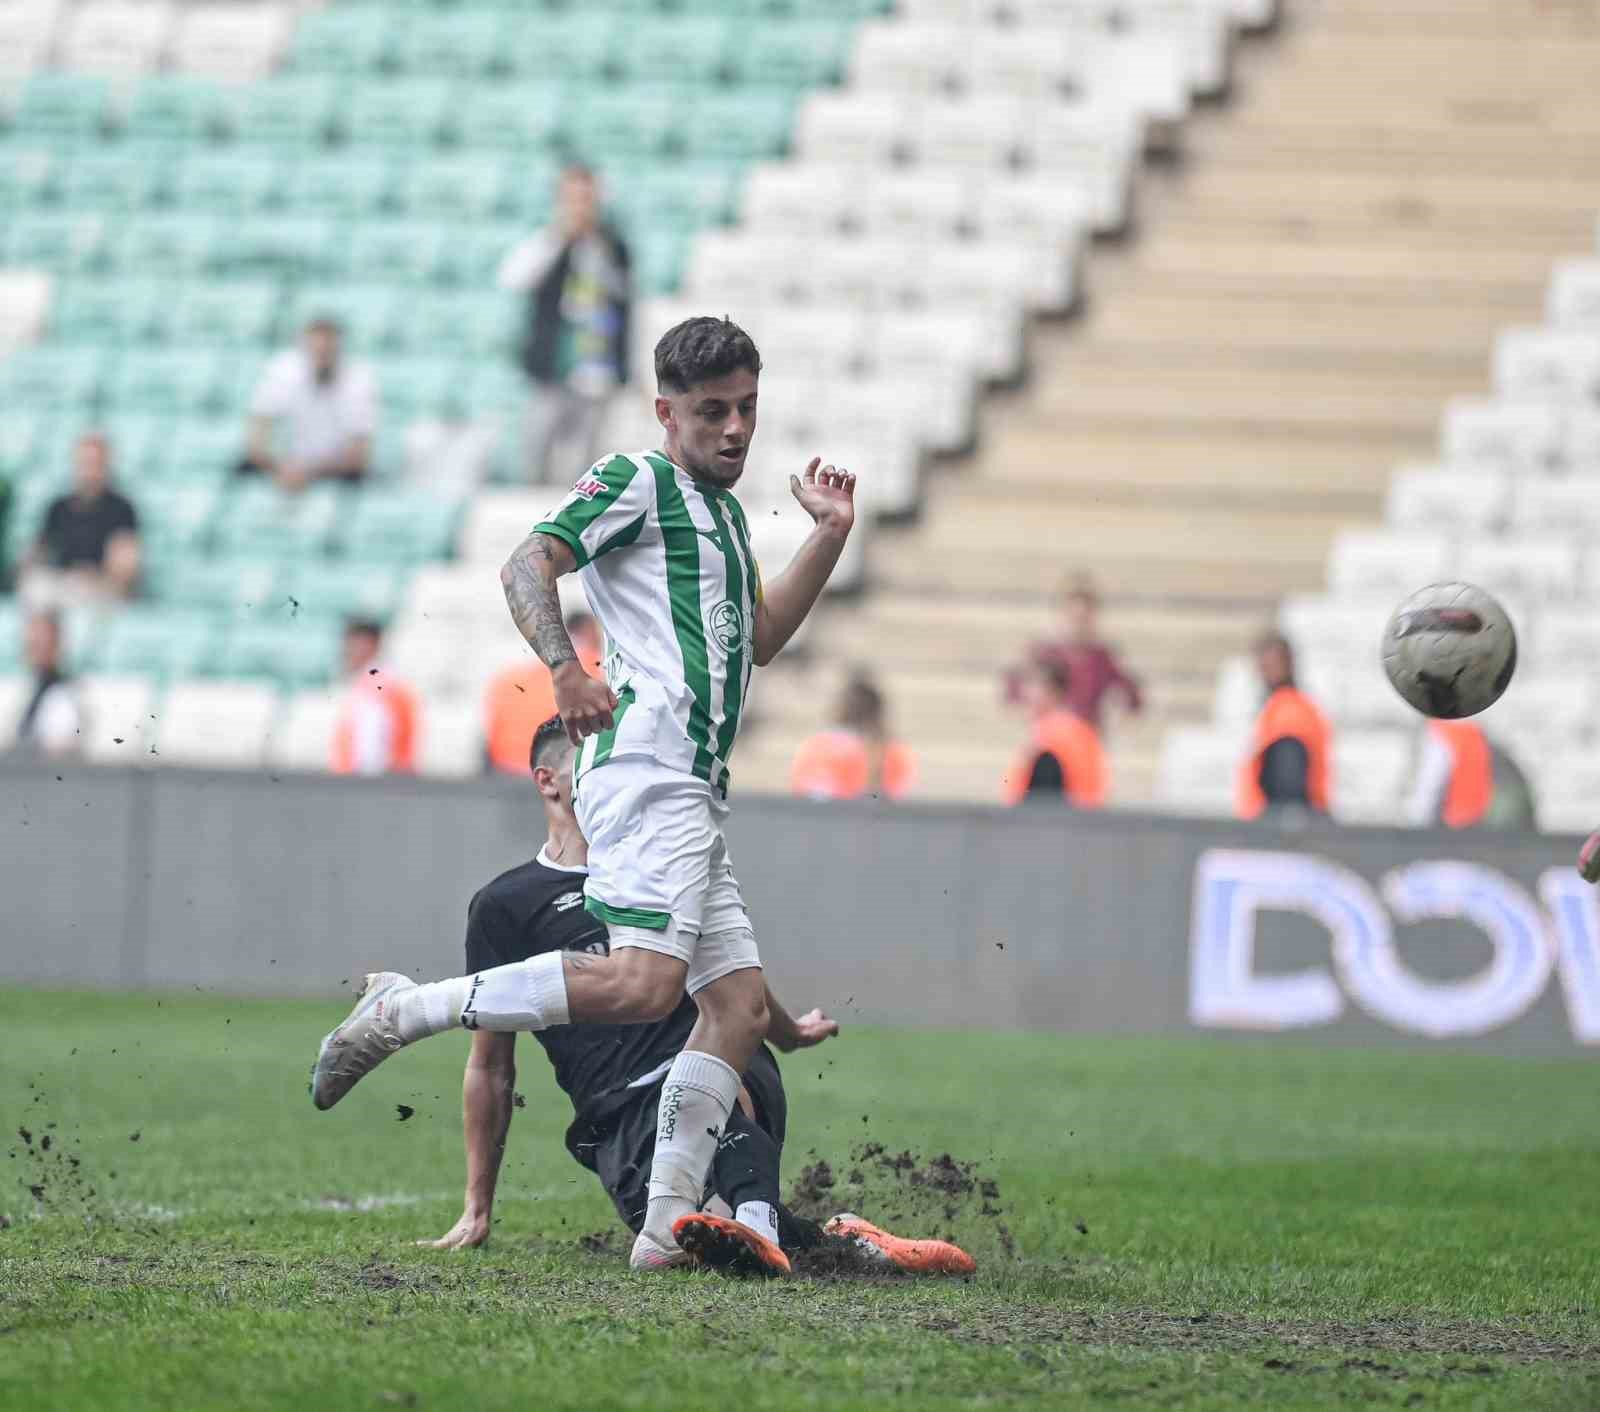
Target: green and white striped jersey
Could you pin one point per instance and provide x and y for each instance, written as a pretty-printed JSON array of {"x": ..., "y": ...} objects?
[{"x": 667, "y": 567}]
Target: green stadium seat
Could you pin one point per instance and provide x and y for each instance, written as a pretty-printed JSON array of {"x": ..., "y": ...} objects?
[
  {"x": 397, "y": 251},
  {"x": 284, "y": 247},
  {"x": 30, "y": 500},
  {"x": 473, "y": 253},
  {"x": 173, "y": 382},
  {"x": 418, "y": 387},
  {"x": 10, "y": 636},
  {"x": 659, "y": 257},
  {"x": 55, "y": 379},
  {"x": 688, "y": 49},
  {"x": 685, "y": 195},
  {"x": 116, "y": 179},
  {"x": 188, "y": 517},
  {"x": 631, "y": 122},
  {"x": 230, "y": 585},
  {"x": 263, "y": 520},
  {"x": 137, "y": 443},
  {"x": 237, "y": 314},
  {"x": 511, "y": 117},
  {"x": 475, "y": 187},
  {"x": 173, "y": 246},
  {"x": 572, "y": 46},
  {"x": 462, "y": 323},
  {"x": 29, "y": 176},
  {"x": 345, "y": 40},
  {"x": 342, "y": 589},
  {"x": 342, "y": 187},
  {"x": 62, "y": 105},
  {"x": 368, "y": 313},
  {"x": 400, "y": 528},
  {"x": 63, "y": 243},
  {"x": 738, "y": 123},
  {"x": 401, "y": 113},
  {"x": 111, "y": 313},
  {"x": 150, "y": 640},
  {"x": 201, "y": 450},
  {"x": 792, "y": 54},
  {"x": 21, "y": 433},
  {"x": 463, "y": 44},
  {"x": 497, "y": 388},
  {"x": 295, "y": 651},
  {"x": 174, "y": 107},
  {"x": 288, "y": 113},
  {"x": 229, "y": 183}
]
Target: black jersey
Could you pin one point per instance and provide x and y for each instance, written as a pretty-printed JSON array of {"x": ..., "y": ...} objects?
[{"x": 538, "y": 907}]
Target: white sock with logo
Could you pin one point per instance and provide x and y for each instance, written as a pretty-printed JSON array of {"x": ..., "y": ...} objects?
[
  {"x": 526, "y": 995},
  {"x": 759, "y": 1216},
  {"x": 696, "y": 1099}
]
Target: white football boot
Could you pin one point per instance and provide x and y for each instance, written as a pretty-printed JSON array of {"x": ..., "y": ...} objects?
[
  {"x": 365, "y": 1039},
  {"x": 650, "y": 1254}
]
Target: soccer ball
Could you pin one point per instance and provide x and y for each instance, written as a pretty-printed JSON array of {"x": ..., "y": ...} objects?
[{"x": 1450, "y": 650}]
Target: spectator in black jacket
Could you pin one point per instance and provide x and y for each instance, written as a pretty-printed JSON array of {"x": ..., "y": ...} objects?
[
  {"x": 88, "y": 550},
  {"x": 576, "y": 276}
]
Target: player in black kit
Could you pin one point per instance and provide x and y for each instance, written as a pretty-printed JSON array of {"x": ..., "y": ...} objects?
[{"x": 613, "y": 1075}]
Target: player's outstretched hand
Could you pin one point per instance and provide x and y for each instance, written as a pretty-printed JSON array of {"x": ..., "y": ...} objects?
[
  {"x": 584, "y": 702},
  {"x": 468, "y": 1233},
  {"x": 827, "y": 495},
  {"x": 812, "y": 1028}
]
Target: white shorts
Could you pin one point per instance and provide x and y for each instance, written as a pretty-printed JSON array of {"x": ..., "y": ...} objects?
[{"x": 659, "y": 875}]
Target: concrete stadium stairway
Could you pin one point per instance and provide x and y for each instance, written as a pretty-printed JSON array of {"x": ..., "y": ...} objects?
[{"x": 1325, "y": 264}]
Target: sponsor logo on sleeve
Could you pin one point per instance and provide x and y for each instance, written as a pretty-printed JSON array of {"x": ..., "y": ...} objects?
[{"x": 588, "y": 487}]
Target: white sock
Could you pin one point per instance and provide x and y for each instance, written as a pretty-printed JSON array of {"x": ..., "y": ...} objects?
[
  {"x": 696, "y": 1099},
  {"x": 760, "y": 1216},
  {"x": 527, "y": 995}
]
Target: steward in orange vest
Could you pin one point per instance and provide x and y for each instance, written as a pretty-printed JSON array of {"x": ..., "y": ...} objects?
[
  {"x": 521, "y": 698},
  {"x": 1455, "y": 777},
  {"x": 377, "y": 729},
  {"x": 856, "y": 757},
  {"x": 1288, "y": 761},
  {"x": 1063, "y": 757}
]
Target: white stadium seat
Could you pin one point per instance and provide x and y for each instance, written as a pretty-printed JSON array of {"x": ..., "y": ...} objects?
[
  {"x": 1236, "y": 701},
  {"x": 1580, "y": 441},
  {"x": 1035, "y": 210},
  {"x": 14, "y": 694},
  {"x": 27, "y": 32},
  {"x": 1395, "y": 562},
  {"x": 1538, "y": 570},
  {"x": 804, "y": 198},
  {"x": 1338, "y": 628},
  {"x": 861, "y": 129},
  {"x": 915, "y": 204},
  {"x": 1518, "y": 436},
  {"x": 1371, "y": 770},
  {"x": 118, "y": 37},
  {"x": 216, "y": 724},
  {"x": 1093, "y": 151},
  {"x": 120, "y": 719},
  {"x": 303, "y": 736},
  {"x": 1557, "y": 507},
  {"x": 1027, "y": 61},
  {"x": 1573, "y": 298},
  {"x": 234, "y": 41},
  {"x": 1197, "y": 768},
  {"x": 979, "y": 132},
  {"x": 450, "y": 742},
  {"x": 497, "y": 521},
  {"x": 24, "y": 306},
  {"x": 1552, "y": 707},
  {"x": 1465, "y": 500},
  {"x": 907, "y": 58},
  {"x": 1547, "y": 363},
  {"x": 1559, "y": 634},
  {"x": 1364, "y": 695}
]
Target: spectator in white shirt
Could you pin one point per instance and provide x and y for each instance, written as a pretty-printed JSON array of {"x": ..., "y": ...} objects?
[
  {"x": 314, "y": 413},
  {"x": 51, "y": 723},
  {"x": 576, "y": 276}
]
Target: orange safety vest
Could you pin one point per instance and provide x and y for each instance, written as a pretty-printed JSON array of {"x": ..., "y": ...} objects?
[
  {"x": 399, "y": 707},
  {"x": 520, "y": 699},
  {"x": 1288, "y": 714},
  {"x": 838, "y": 764},
  {"x": 1471, "y": 789},
  {"x": 1076, "y": 744}
]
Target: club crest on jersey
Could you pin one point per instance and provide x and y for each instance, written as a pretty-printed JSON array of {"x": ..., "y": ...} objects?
[
  {"x": 727, "y": 625},
  {"x": 588, "y": 487}
]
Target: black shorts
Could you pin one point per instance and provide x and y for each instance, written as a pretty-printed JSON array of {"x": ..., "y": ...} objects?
[{"x": 616, "y": 1137}]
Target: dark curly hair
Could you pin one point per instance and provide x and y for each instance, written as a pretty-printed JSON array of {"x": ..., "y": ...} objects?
[
  {"x": 546, "y": 740},
  {"x": 700, "y": 349}
]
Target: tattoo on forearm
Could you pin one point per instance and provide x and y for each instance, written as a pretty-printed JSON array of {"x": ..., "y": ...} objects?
[
  {"x": 579, "y": 960},
  {"x": 529, "y": 580}
]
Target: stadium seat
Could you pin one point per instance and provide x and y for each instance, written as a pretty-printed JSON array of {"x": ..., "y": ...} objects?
[
  {"x": 49, "y": 379},
  {"x": 303, "y": 736},
  {"x": 791, "y": 54},
  {"x": 297, "y": 247},
  {"x": 853, "y": 129},
  {"x": 228, "y": 183},
  {"x": 116, "y": 180},
  {"x": 1547, "y": 506},
  {"x": 179, "y": 382},
  {"x": 1573, "y": 300},
  {"x": 238, "y": 40},
  {"x": 371, "y": 315},
  {"x": 466, "y": 43},
  {"x": 27, "y": 32},
  {"x": 344, "y": 187},
  {"x": 111, "y": 313},
  {"x": 201, "y": 449},
  {"x": 119, "y": 37},
  {"x": 1344, "y": 628},
  {"x": 470, "y": 187},
  {"x": 166, "y": 246},
  {"x": 692, "y": 50},
  {"x": 217, "y": 724},
  {"x": 408, "y": 114},
  {"x": 398, "y": 527},
  {"x": 159, "y": 642},
  {"x": 30, "y": 177},
  {"x": 451, "y": 740},
  {"x": 509, "y": 117},
  {"x": 298, "y": 111},
  {"x": 1377, "y": 562},
  {"x": 1468, "y": 500},
  {"x": 348, "y": 41},
  {"x": 293, "y": 650},
  {"x": 1535, "y": 569},
  {"x": 264, "y": 520},
  {"x": 63, "y": 106},
  {"x": 174, "y": 108},
  {"x": 1370, "y": 772},
  {"x": 340, "y": 589},
  {"x": 738, "y": 124},
  {"x": 485, "y": 324},
  {"x": 233, "y": 585},
  {"x": 1196, "y": 770},
  {"x": 1518, "y": 436},
  {"x": 414, "y": 251},
  {"x": 573, "y": 45},
  {"x": 1580, "y": 441},
  {"x": 119, "y": 718},
  {"x": 15, "y": 692},
  {"x": 59, "y": 243},
  {"x": 1540, "y": 363},
  {"x": 497, "y": 521},
  {"x": 188, "y": 515},
  {"x": 233, "y": 315}
]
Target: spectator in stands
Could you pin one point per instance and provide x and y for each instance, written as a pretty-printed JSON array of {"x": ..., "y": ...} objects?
[
  {"x": 858, "y": 755},
  {"x": 377, "y": 729},
  {"x": 1063, "y": 759},
  {"x": 1286, "y": 771},
  {"x": 51, "y": 722},
  {"x": 522, "y": 697},
  {"x": 576, "y": 274},
  {"x": 314, "y": 413},
  {"x": 1465, "y": 781},
  {"x": 88, "y": 550},
  {"x": 1090, "y": 664}
]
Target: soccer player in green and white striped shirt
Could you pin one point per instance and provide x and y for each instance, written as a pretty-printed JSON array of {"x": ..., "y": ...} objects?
[{"x": 663, "y": 548}]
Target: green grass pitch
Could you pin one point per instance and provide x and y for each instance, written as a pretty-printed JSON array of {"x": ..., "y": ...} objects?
[{"x": 1193, "y": 1224}]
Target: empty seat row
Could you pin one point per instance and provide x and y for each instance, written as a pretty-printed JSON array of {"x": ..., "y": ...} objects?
[
  {"x": 1520, "y": 435},
  {"x": 122, "y": 37},
  {"x": 1547, "y": 567},
  {"x": 1489, "y": 501}
]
